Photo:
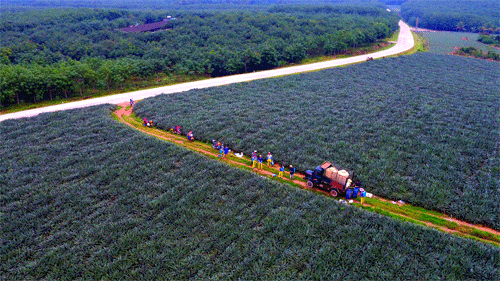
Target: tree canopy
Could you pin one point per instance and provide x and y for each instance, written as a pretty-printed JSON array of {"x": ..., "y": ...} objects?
[{"x": 70, "y": 51}]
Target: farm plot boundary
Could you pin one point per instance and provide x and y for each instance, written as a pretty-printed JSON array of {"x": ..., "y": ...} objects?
[{"x": 404, "y": 212}]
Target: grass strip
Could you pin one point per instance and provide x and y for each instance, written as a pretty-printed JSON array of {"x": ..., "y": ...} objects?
[
  {"x": 432, "y": 217},
  {"x": 418, "y": 215},
  {"x": 389, "y": 214},
  {"x": 411, "y": 208}
]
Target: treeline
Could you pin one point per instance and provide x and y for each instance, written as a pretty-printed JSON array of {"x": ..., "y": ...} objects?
[
  {"x": 474, "y": 52},
  {"x": 35, "y": 83},
  {"x": 56, "y": 53},
  {"x": 489, "y": 40},
  {"x": 453, "y": 15},
  {"x": 190, "y": 4}
]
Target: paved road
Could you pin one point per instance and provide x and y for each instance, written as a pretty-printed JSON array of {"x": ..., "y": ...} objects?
[{"x": 405, "y": 42}]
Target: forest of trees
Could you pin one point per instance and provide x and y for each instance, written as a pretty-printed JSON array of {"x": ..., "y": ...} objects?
[
  {"x": 191, "y": 4},
  {"x": 453, "y": 15},
  {"x": 57, "y": 53}
]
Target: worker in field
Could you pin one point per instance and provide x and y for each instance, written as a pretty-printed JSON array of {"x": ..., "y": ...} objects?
[
  {"x": 131, "y": 103},
  {"x": 261, "y": 160},
  {"x": 145, "y": 121},
  {"x": 292, "y": 172},
  {"x": 226, "y": 151},
  {"x": 254, "y": 159},
  {"x": 362, "y": 195},
  {"x": 221, "y": 153},
  {"x": 357, "y": 184},
  {"x": 282, "y": 170},
  {"x": 270, "y": 161}
]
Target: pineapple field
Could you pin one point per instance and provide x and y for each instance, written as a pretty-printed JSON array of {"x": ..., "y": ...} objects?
[
  {"x": 422, "y": 128},
  {"x": 86, "y": 197}
]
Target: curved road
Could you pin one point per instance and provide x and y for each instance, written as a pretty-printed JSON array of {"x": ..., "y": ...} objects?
[{"x": 405, "y": 43}]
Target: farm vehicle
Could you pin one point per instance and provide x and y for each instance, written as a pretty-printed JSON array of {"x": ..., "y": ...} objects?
[{"x": 329, "y": 178}]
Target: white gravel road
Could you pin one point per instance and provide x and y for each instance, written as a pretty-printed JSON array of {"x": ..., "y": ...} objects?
[{"x": 405, "y": 42}]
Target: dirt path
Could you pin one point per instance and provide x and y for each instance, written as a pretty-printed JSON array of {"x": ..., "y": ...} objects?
[{"x": 123, "y": 111}]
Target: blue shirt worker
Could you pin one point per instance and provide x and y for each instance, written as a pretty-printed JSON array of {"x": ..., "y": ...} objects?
[
  {"x": 226, "y": 151},
  {"x": 261, "y": 160},
  {"x": 221, "y": 153},
  {"x": 282, "y": 171},
  {"x": 292, "y": 172},
  {"x": 270, "y": 161}
]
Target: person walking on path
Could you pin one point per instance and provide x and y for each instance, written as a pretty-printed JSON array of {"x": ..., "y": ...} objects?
[
  {"x": 292, "y": 172},
  {"x": 282, "y": 171},
  {"x": 261, "y": 160},
  {"x": 226, "y": 151},
  {"x": 270, "y": 161},
  {"x": 221, "y": 153},
  {"x": 362, "y": 195},
  {"x": 254, "y": 159}
]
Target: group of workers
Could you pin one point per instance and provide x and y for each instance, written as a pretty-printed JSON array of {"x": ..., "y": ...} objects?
[
  {"x": 223, "y": 149},
  {"x": 223, "y": 152},
  {"x": 177, "y": 130},
  {"x": 355, "y": 191},
  {"x": 257, "y": 162},
  {"x": 147, "y": 123}
]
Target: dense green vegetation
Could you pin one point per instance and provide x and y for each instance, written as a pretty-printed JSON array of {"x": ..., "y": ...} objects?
[
  {"x": 490, "y": 40},
  {"x": 47, "y": 54},
  {"x": 423, "y": 128},
  {"x": 183, "y": 4},
  {"x": 473, "y": 52},
  {"x": 453, "y": 15},
  {"x": 448, "y": 42},
  {"x": 85, "y": 197}
]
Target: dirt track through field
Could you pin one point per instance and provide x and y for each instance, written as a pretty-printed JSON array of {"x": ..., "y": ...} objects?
[{"x": 125, "y": 110}]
